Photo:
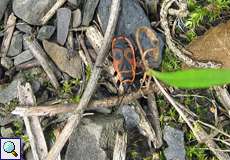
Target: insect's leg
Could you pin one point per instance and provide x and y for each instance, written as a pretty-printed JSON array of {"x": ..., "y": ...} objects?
[
  {"x": 142, "y": 81},
  {"x": 148, "y": 82}
]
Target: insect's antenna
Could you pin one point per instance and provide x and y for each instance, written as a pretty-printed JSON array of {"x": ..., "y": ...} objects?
[
  {"x": 121, "y": 100},
  {"x": 126, "y": 88}
]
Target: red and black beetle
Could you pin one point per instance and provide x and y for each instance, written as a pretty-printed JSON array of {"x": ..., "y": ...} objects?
[{"x": 124, "y": 61}]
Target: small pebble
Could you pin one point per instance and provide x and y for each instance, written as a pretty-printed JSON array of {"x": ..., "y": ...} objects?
[
  {"x": 63, "y": 21},
  {"x": 7, "y": 132},
  {"x": 3, "y": 5},
  {"x": 46, "y": 32},
  {"x": 15, "y": 45},
  {"x": 88, "y": 13},
  {"x": 23, "y": 27},
  {"x": 7, "y": 62},
  {"x": 23, "y": 57},
  {"x": 76, "y": 18},
  {"x": 175, "y": 141}
]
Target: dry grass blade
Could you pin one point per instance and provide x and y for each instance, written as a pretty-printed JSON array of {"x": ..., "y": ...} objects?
[{"x": 198, "y": 131}]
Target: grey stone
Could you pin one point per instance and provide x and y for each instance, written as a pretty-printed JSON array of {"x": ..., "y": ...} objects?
[
  {"x": 131, "y": 117},
  {"x": 7, "y": 132},
  {"x": 60, "y": 57},
  {"x": 10, "y": 92},
  {"x": 1, "y": 34},
  {"x": 93, "y": 137},
  {"x": 24, "y": 45},
  {"x": 23, "y": 27},
  {"x": 4, "y": 120},
  {"x": 36, "y": 85},
  {"x": 175, "y": 141},
  {"x": 76, "y": 18},
  {"x": 15, "y": 45},
  {"x": 23, "y": 57},
  {"x": 3, "y": 5},
  {"x": 46, "y": 32},
  {"x": 29, "y": 155},
  {"x": 32, "y": 11},
  {"x": 7, "y": 62},
  {"x": 131, "y": 17},
  {"x": 75, "y": 3},
  {"x": 88, "y": 12},
  {"x": 43, "y": 98},
  {"x": 126, "y": 25},
  {"x": 63, "y": 22}
]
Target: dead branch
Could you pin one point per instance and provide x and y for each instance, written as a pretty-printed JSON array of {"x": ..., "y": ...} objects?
[
  {"x": 42, "y": 58},
  {"x": 52, "y": 11},
  {"x": 224, "y": 97},
  {"x": 96, "y": 40},
  {"x": 74, "y": 120},
  {"x": 83, "y": 57},
  {"x": 64, "y": 108},
  {"x": 79, "y": 29},
  {"x": 119, "y": 152},
  {"x": 198, "y": 131},
  {"x": 27, "y": 65},
  {"x": 8, "y": 35},
  {"x": 33, "y": 126},
  {"x": 155, "y": 120},
  {"x": 88, "y": 58},
  {"x": 182, "y": 12},
  {"x": 145, "y": 127}
]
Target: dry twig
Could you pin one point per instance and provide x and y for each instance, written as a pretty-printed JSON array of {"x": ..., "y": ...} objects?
[
  {"x": 33, "y": 126},
  {"x": 224, "y": 97},
  {"x": 96, "y": 40},
  {"x": 74, "y": 120},
  {"x": 42, "y": 58},
  {"x": 88, "y": 58},
  {"x": 8, "y": 35},
  {"x": 155, "y": 120},
  {"x": 27, "y": 65},
  {"x": 63, "y": 108},
  {"x": 52, "y": 11},
  {"x": 145, "y": 127}
]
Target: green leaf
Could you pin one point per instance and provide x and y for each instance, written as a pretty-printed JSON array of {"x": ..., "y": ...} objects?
[{"x": 194, "y": 78}]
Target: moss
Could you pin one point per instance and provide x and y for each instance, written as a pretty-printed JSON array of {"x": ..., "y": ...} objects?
[
  {"x": 170, "y": 62},
  {"x": 8, "y": 108},
  {"x": 204, "y": 13}
]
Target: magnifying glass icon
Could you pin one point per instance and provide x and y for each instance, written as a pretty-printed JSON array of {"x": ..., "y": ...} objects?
[{"x": 9, "y": 147}]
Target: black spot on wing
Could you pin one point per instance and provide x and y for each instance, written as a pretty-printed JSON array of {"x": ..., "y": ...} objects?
[
  {"x": 129, "y": 55},
  {"x": 118, "y": 54}
]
